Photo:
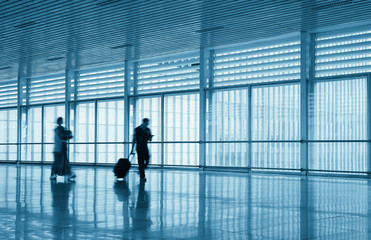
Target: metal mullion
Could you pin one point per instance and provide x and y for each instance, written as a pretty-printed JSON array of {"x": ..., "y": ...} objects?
[
  {"x": 305, "y": 63},
  {"x": 42, "y": 132},
  {"x": 7, "y": 134},
  {"x": 95, "y": 129},
  {"x": 107, "y": 126},
  {"x": 257, "y": 84},
  {"x": 162, "y": 128},
  {"x": 369, "y": 124},
  {"x": 202, "y": 106},
  {"x": 338, "y": 77},
  {"x": 127, "y": 86},
  {"x": 165, "y": 93},
  {"x": 249, "y": 125}
]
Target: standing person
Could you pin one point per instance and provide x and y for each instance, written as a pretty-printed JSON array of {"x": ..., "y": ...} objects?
[
  {"x": 61, "y": 165},
  {"x": 142, "y": 134}
]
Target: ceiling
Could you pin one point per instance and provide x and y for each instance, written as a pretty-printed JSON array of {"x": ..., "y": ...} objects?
[{"x": 44, "y": 34}]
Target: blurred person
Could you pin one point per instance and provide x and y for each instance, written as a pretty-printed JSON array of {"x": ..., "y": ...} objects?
[
  {"x": 61, "y": 165},
  {"x": 142, "y": 134}
]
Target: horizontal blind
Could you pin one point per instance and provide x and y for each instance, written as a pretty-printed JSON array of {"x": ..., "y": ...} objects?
[
  {"x": 262, "y": 62},
  {"x": 101, "y": 82},
  {"x": 47, "y": 89},
  {"x": 168, "y": 74},
  {"x": 343, "y": 52},
  {"x": 8, "y": 93}
]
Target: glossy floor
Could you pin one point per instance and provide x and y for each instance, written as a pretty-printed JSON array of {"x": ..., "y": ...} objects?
[{"x": 176, "y": 204}]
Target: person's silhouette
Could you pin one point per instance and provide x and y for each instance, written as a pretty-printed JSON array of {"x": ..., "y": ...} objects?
[
  {"x": 61, "y": 164},
  {"x": 142, "y": 134},
  {"x": 61, "y": 215}
]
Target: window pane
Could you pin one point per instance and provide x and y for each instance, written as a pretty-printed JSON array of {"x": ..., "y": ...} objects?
[
  {"x": 181, "y": 154},
  {"x": 31, "y": 134},
  {"x": 83, "y": 153},
  {"x": 181, "y": 123},
  {"x": 227, "y": 154},
  {"x": 228, "y": 116},
  {"x": 343, "y": 156},
  {"x": 110, "y": 129},
  {"x": 275, "y": 155},
  {"x": 8, "y": 134},
  {"x": 83, "y": 129},
  {"x": 182, "y": 117},
  {"x": 338, "y": 110},
  {"x": 276, "y": 113},
  {"x": 110, "y": 152}
]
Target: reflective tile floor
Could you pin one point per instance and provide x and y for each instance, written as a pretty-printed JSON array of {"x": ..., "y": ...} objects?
[{"x": 176, "y": 204}]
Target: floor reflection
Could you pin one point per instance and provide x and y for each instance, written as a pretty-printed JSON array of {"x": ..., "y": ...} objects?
[
  {"x": 62, "y": 220},
  {"x": 181, "y": 204},
  {"x": 140, "y": 212}
]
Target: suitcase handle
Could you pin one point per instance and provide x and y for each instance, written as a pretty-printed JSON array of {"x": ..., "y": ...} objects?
[{"x": 133, "y": 155}]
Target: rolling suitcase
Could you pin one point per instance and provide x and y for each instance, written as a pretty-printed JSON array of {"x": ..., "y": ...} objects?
[{"x": 122, "y": 167}]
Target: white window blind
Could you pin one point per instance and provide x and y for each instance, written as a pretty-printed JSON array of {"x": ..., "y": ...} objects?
[
  {"x": 101, "y": 82},
  {"x": 47, "y": 89},
  {"x": 264, "y": 62},
  {"x": 343, "y": 52},
  {"x": 168, "y": 74},
  {"x": 8, "y": 93}
]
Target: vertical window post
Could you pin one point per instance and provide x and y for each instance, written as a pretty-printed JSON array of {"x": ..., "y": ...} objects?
[
  {"x": 203, "y": 77},
  {"x": 127, "y": 108},
  {"x": 22, "y": 97},
  {"x": 369, "y": 125},
  {"x": 305, "y": 63}
]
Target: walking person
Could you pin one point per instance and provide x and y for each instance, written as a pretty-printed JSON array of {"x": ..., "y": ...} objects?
[
  {"x": 61, "y": 165},
  {"x": 142, "y": 134}
]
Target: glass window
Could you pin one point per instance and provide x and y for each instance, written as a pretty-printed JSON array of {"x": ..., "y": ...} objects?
[
  {"x": 275, "y": 116},
  {"x": 31, "y": 134},
  {"x": 110, "y": 129},
  {"x": 276, "y": 112},
  {"x": 83, "y": 129},
  {"x": 338, "y": 111},
  {"x": 181, "y": 123},
  {"x": 8, "y": 134},
  {"x": 227, "y": 121}
]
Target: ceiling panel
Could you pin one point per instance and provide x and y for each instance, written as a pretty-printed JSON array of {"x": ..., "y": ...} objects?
[{"x": 86, "y": 31}]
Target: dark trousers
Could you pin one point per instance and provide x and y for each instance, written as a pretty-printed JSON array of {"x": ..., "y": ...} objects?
[
  {"x": 143, "y": 160},
  {"x": 61, "y": 165}
]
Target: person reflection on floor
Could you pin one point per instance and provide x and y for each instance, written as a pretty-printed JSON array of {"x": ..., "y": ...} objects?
[
  {"x": 62, "y": 221},
  {"x": 122, "y": 192},
  {"x": 140, "y": 214}
]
